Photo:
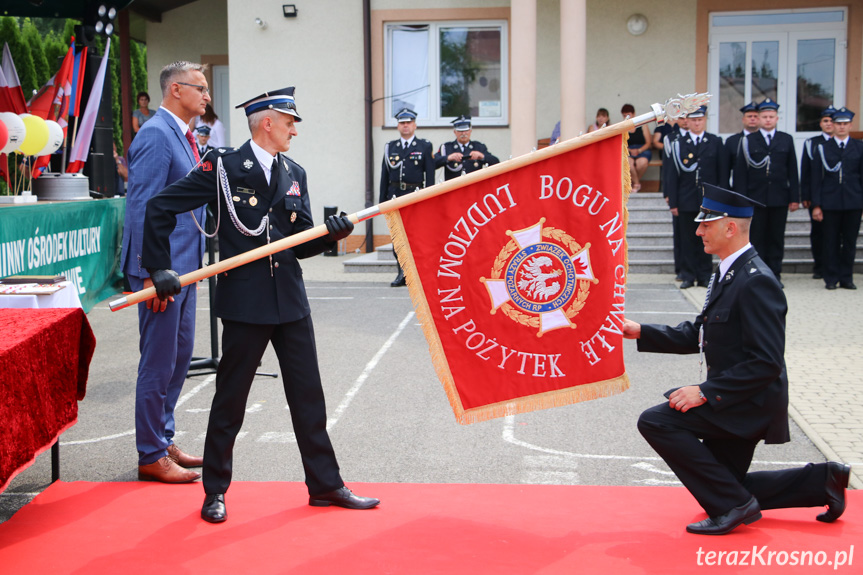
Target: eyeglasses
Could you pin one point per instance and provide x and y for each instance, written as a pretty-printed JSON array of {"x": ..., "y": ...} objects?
[{"x": 202, "y": 89}]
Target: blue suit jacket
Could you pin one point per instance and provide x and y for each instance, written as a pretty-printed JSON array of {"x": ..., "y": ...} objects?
[{"x": 159, "y": 156}]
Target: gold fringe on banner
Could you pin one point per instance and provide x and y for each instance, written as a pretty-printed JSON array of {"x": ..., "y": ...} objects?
[{"x": 557, "y": 398}]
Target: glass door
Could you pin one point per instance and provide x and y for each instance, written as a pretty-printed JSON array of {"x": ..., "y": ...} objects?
[{"x": 794, "y": 57}]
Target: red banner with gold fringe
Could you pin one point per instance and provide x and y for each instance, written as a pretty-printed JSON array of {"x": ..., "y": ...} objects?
[{"x": 519, "y": 282}]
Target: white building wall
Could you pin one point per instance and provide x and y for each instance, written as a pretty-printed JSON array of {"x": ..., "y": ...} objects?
[
  {"x": 639, "y": 70},
  {"x": 185, "y": 33}
]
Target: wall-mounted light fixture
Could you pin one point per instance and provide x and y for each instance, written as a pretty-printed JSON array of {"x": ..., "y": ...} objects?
[
  {"x": 261, "y": 24},
  {"x": 290, "y": 10}
]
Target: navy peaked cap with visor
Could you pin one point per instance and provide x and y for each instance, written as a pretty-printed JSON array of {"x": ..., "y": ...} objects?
[
  {"x": 720, "y": 203},
  {"x": 828, "y": 112},
  {"x": 843, "y": 115},
  {"x": 461, "y": 124},
  {"x": 277, "y": 100},
  {"x": 406, "y": 115},
  {"x": 750, "y": 107},
  {"x": 768, "y": 104}
]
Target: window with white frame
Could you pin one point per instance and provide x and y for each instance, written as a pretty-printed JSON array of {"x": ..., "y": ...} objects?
[{"x": 442, "y": 70}]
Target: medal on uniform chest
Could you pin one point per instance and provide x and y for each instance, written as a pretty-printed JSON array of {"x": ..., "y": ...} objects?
[
  {"x": 416, "y": 163},
  {"x": 236, "y": 198},
  {"x": 253, "y": 201},
  {"x": 397, "y": 159},
  {"x": 690, "y": 154},
  {"x": 293, "y": 217}
]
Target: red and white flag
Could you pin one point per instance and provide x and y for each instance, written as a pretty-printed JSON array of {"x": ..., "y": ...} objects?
[
  {"x": 81, "y": 147},
  {"x": 52, "y": 103},
  {"x": 11, "y": 85},
  {"x": 519, "y": 282}
]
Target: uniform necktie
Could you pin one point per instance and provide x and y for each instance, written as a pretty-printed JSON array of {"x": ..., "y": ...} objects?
[
  {"x": 769, "y": 137},
  {"x": 697, "y": 140},
  {"x": 404, "y": 145},
  {"x": 274, "y": 172},
  {"x": 841, "y": 145},
  {"x": 194, "y": 146}
]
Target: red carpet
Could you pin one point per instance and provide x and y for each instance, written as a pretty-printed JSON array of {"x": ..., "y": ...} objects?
[{"x": 131, "y": 528}]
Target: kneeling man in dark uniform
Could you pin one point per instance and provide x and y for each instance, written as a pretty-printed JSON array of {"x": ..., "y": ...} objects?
[
  {"x": 707, "y": 433},
  {"x": 262, "y": 196}
]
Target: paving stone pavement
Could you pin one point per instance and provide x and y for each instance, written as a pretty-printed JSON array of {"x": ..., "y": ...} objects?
[{"x": 823, "y": 353}]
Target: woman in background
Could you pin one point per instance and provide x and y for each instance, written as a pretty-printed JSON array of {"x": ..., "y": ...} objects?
[{"x": 639, "y": 148}]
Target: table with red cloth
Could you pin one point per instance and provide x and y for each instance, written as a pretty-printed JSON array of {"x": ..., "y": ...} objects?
[{"x": 44, "y": 361}]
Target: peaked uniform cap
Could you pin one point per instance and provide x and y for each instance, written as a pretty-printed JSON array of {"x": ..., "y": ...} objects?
[
  {"x": 720, "y": 203},
  {"x": 278, "y": 101},
  {"x": 699, "y": 113},
  {"x": 768, "y": 104},
  {"x": 750, "y": 107},
  {"x": 828, "y": 112},
  {"x": 462, "y": 123},
  {"x": 406, "y": 115},
  {"x": 843, "y": 115}
]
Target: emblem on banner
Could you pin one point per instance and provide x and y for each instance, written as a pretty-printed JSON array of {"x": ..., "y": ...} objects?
[{"x": 541, "y": 278}]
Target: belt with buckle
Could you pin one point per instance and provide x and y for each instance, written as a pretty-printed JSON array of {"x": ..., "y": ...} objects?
[{"x": 407, "y": 186}]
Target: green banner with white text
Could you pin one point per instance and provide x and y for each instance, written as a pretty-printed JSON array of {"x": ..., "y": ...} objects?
[{"x": 80, "y": 240}]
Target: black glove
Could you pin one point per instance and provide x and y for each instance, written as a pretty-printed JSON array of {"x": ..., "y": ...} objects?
[
  {"x": 166, "y": 282},
  {"x": 339, "y": 227}
]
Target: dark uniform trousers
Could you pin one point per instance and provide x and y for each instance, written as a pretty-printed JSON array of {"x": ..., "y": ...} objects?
[
  {"x": 466, "y": 166},
  {"x": 775, "y": 189},
  {"x": 685, "y": 192},
  {"x": 668, "y": 164},
  {"x": 842, "y": 205},
  {"x": 710, "y": 447},
  {"x": 816, "y": 228},
  {"x": 261, "y": 302}
]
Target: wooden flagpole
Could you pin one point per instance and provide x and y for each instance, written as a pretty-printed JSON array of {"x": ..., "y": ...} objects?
[{"x": 673, "y": 108}]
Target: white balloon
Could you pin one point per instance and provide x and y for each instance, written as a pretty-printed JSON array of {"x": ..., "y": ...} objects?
[
  {"x": 17, "y": 131},
  {"x": 55, "y": 138}
]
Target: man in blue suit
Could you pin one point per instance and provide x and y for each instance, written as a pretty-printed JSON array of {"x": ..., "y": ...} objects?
[{"x": 163, "y": 152}]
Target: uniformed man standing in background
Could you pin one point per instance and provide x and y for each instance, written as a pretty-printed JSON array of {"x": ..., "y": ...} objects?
[
  {"x": 810, "y": 151},
  {"x": 766, "y": 171},
  {"x": 408, "y": 166},
  {"x": 698, "y": 158},
  {"x": 837, "y": 200},
  {"x": 462, "y": 156},
  {"x": 732, "y": 143}
]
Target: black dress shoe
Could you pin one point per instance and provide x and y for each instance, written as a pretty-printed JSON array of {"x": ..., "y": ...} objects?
[
  {"x": 817, "y": 276},
  {"x": 830, "y": 286},
  {"x": 837, "y": 481},
  {"x": 214, "y": 508},
  {"x": 399, "y": 281},
  {"x": 747, "y": 513},
  {"x": 679, "y": 278},
  {"x": 847, "y": 285},
  {"x": 686, "y": 284},
  {"x": 343, "y": 497}
]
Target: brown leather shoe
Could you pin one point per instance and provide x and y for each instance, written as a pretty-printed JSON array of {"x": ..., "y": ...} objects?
[
  {"x": 166, "y": 471},
  {"x": 183, "y": 459}
]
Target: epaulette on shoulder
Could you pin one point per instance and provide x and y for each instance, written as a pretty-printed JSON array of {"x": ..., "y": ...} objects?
[{"x": 225, "y": 151}]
